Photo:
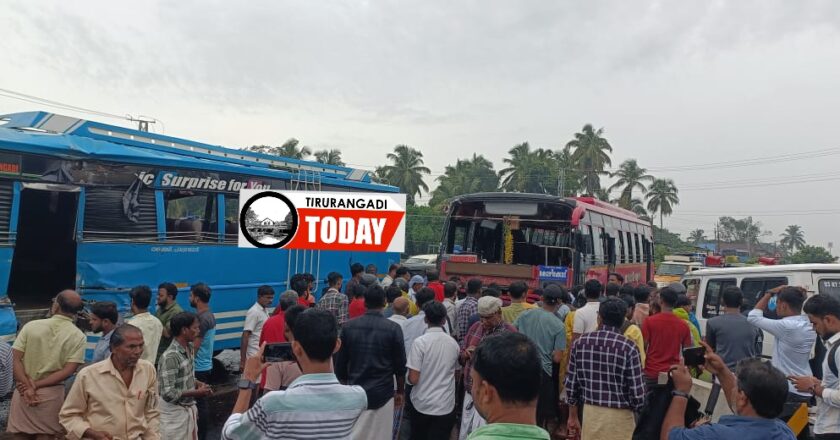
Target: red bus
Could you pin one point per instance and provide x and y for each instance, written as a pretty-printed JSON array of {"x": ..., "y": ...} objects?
[{"x": 542, "y": 239}]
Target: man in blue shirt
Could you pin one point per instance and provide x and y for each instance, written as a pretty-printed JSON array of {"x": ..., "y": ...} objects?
[
  {"x": 200, "y": 300},
  {"x": 756, "y": 394}
]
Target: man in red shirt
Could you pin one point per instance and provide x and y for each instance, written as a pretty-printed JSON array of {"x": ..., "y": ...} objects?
[
  {"x": 357, "y": 304},
  {"x": 433, "y": 282},
  {"x": 274, "y": 328},
  {"x": 665, "y": 335}
]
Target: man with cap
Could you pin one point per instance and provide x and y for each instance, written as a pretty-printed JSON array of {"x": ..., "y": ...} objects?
[
  {"x": 403, "y": 285},
  {"x": 490, "y": 323},
  {"x": 414, "y": 285},
  {"x": 549, "y": 334}
]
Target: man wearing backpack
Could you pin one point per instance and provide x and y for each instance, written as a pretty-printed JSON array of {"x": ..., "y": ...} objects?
[{"x": 824, "y": 313}]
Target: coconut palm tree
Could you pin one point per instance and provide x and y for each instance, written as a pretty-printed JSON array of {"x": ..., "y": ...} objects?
[
  {"x": 530, "y": 170},
  {"x": 591, "y": 155},
  {"x": 406, "y": 171},
  {"x": 630, "y": 177},
  {"x": 793, "y": 238},
  {"x": 465, "y": 177},
  {"x": 288, "y": 149},
  {"x": 696, "y": 236},
  {"x": 329, "y": 157},
  {"x": 661, "y": 197}
]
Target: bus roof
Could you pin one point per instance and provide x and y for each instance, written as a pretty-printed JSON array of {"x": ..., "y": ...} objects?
[
  {"x": 588, "y": 203},
  {"x": 73, "y": 138},
  {"x": 768, "y": 269}
]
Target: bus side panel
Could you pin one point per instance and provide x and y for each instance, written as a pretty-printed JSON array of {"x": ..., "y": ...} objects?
[{"x": 106, "y": 271}]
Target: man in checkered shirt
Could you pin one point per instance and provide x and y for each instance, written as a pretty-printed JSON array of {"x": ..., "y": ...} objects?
[{"x": 605, "y": 375}]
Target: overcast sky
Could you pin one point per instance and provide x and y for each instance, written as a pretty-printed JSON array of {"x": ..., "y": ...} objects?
[{"x": 674, "y": 84}]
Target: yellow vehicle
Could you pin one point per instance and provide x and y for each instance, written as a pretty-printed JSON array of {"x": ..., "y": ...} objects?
[{"x": 673, "y": 268}]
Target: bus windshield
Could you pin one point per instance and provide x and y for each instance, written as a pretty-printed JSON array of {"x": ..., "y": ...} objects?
[
  {"x": 540, "y": 232},
  {"x": 671, "y": 269}
]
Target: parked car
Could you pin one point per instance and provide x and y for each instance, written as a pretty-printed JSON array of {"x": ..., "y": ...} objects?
[{"x": 420, "y": 264}]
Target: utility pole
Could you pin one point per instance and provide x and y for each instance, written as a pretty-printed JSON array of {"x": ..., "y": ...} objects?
[
  {"x": 561, "y": 182},
  {"x": 142, "y": 124}
]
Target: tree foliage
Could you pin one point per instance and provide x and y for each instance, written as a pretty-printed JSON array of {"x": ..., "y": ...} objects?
[
  {"x": 591, "y": 152},
  {"x": 662, "y": 197},
  {"x": 532, "y": 171},
  {"x": 792, "y": 238},
  {"x": 288, "y": 149},
  {"x": 329, "y": 157},
  {"x": 423, "y": 229},
  {"x": 630, "y": 178},
  {"x": 696, "y": 236},
  {"x": 406, "y": 171},
  {"x": 465, "y": 177},
  {"x": 812, "y": 254},
  {"x": 745, "y": 230}
]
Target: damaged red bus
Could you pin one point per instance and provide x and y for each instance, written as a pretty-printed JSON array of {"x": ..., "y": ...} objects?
[{"x": 540, "y": 239}]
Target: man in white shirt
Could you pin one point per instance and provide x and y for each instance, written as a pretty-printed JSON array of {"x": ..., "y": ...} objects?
[
  {"x": 141, "y": 297},
  {"x": 389, "y": 279},
  {"x": 586, "y": 317},
  {"x": 416, "y": 325},
  {"x": 794, "y": 335},
  {"x": 431, "y": 370},
  {"x": 256, "y": 317},
  {"x": 824, "y": 313}
]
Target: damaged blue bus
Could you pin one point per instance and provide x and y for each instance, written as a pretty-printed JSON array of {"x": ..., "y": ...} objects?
[{"x": 100, "y": 209}]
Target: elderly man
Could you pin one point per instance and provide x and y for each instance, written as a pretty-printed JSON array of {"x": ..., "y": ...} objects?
[
  {"x": 115, "y": 398},
  {"x": 46, "y": 352},
  {"x": 490, "y": 323}
]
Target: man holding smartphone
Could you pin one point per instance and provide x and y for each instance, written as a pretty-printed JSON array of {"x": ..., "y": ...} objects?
[{"x": 315, "y": 405}]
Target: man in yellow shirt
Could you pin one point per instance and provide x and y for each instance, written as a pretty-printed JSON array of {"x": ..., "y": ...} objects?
[
  {"x": 141, "y": 297},
  {"x": 518, "y": 304},
  {"x": 117, "y": 397},
  {"x": 45, "y": 353},
  {"x": 632, "y": 331}
]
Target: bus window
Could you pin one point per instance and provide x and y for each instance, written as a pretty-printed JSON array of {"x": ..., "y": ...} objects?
[
  {"x": 231, "y": 218},
  {"x": 190, "y": 216},
  {"x": 598, "y": 245},
  {"x": 621, "y": 247},
  {"x": 105, "y": 218},
  {"x": 753, "y": 287},
  {"x": 639, "y": 253},
  {"x": 711, "y": 301},
  {"x": 630, "y": 250}
]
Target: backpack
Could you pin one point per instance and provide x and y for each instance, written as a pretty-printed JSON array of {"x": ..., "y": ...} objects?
[{"x": 832, "y": 361}]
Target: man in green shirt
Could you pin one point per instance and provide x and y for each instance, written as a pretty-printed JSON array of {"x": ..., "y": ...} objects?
[
  {"x": 167, "y": 307},
  {"x": 505, "y": 385}
]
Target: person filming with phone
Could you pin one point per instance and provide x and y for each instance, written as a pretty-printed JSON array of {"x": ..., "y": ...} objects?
[
  {"x": 315, "y": 405},
  {"x": 756, "y": 393}
]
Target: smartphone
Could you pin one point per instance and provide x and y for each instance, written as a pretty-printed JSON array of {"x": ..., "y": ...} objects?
[
  {"x": 694, "y": 356},
  {"x": 278, "y": 352}
]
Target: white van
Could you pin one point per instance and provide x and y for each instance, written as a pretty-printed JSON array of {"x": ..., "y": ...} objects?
[{"x": 706, "y": 285}]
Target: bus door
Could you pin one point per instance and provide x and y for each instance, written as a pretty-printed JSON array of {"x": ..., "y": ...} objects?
[{"x": 44, "y": 257}]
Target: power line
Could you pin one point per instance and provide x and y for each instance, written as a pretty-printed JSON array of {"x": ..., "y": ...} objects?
[{"x": 142, "y": 121}]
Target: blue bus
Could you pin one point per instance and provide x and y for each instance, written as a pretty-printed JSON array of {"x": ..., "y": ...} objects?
[{"x": 100, "y": 209}]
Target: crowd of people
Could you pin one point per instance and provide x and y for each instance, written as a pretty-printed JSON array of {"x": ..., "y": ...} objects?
[{"x": 416, "y": 357}]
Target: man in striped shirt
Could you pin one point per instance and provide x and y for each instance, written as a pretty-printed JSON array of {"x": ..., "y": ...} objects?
[{"x": 314, "y": 406}]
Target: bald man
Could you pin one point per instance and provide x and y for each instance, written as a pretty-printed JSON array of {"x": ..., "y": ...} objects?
[
  {"x": 400, "y": 306},
  {"x": 46, "y": 352}
]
